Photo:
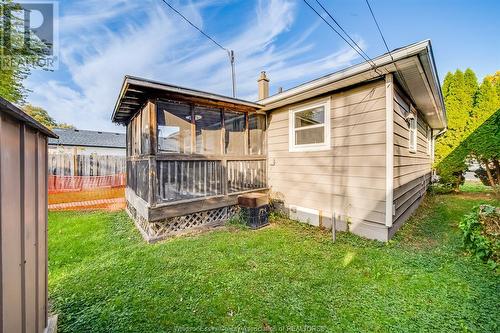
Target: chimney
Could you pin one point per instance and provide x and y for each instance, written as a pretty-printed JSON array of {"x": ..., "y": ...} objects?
[{"x": 263, "y": 82}]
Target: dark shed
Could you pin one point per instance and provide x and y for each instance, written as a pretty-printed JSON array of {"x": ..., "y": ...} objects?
[{"x": 23, "y": 221}]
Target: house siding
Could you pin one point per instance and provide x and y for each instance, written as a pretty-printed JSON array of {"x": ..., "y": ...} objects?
[
  {"x": 412, "y": 171},
  {"x": 347, "y": 180}
]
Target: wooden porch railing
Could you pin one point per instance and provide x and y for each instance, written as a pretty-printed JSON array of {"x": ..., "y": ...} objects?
[{"x": 190, "y": 179}]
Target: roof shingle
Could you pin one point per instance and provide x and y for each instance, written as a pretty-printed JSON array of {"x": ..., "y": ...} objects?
[{"x": 74, "y": 137}]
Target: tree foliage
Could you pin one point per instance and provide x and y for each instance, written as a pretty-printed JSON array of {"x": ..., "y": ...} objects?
[
  {"x": 483, "y": 144},
  {"x": 472, "y": 125},
  {"x": 458, "y": 103},
  {"x": 42, "y": 116},
  {"x": 16, "y": 60}
]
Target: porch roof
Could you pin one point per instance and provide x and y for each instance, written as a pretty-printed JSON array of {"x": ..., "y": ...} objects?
[{"x": 136, "y": 91}]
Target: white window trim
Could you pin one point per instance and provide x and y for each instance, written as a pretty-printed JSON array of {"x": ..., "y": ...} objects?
[
  {"x": 292, "y": 147},
  {"x": 414, "y": 132}
]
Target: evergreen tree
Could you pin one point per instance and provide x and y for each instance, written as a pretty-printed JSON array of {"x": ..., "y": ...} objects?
[
  {"x": 471, "y": 85},
  {"x": 486, "y": 104},
  {"x": 468, "y": 107},
  {"x": 458, "y": 103}
]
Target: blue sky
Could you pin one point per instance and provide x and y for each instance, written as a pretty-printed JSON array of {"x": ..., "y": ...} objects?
[{"x": 101, "y": 41}]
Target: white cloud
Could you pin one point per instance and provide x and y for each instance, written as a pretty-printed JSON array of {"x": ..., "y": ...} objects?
[{"x": 156, "y": 44}]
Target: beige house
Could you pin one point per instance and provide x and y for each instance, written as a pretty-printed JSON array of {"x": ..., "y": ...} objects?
[{"x": 356, "y": 145}]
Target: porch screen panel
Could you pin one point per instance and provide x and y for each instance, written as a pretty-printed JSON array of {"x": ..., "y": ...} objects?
[
  {"x": 181, "y": 180},
  {"x": 142, "y": 179},
  {"x": 208, "y": 123},
  {"x": 256, "y": 132},
  {"x": 235, "y": 125},
  {"x": 138, "y": 178},
  {"x": 145, "y": 139},
  {"x": 174, "y": 127}
]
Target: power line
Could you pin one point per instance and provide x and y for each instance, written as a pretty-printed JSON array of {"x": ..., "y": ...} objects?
[
  {"x": 230, "y": 53},
  {"x": 379, "y": 30},
  {"x": 388, "y": 50},
  {"x": 345, "y": 32},
  {"x": 367, "y": 59},
  {"x": 194, "y": 26}
]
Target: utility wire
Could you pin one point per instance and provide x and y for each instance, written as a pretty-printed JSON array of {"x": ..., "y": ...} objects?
[
  {"x": 367, "y": 59},
  {"x": 194, "y": 26},
  {"x": 379, "y": 30},
  {"x": 340, "y": 27},
  {"x": 230, "y": 53},
  {"x": 388, "y": 50}
]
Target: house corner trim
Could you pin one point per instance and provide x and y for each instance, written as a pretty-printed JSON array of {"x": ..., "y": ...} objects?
[{"x": 389, "y": 148}]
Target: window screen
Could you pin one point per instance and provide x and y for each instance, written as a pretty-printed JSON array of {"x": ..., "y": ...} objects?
[
  {"x": 208, "y": 123},
  {"x": 235, "y": 125},
  {"x": 256, "y": 132}
]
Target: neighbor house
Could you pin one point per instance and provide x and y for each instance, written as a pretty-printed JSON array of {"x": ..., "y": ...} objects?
[
  {"x": 86, "y": 153},
  {"x": 355, "y": 147},
  {"x": 81, "y": 142}
]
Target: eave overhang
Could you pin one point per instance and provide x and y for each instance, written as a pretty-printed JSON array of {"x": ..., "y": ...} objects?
[
  {"x": 413, "y": 67},
  {"x": 135, "y": 92}
]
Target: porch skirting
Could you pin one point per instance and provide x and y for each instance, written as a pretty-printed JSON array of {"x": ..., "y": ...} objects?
[{"x": 154, "y": 231}]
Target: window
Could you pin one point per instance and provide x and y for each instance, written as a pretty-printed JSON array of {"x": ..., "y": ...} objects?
[
  {"x": 208, "y": 122},
  {"x": 235, "y": 125},
  {"x": 412, "y": 132},
  {"x": 174, "y": 127},
  {"x": 310, "y": 127},
  {"x": 429, "y": 141},
  {"x": 256, "y": 132}
]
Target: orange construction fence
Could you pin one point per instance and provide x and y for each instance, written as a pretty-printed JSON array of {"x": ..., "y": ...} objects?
[{"x": 58, "y": 184}]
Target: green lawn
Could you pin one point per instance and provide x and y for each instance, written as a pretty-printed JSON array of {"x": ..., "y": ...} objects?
[{"x": 287, "y": 277}]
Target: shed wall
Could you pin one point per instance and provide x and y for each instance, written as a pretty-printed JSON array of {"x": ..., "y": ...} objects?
[
  {"x": 412, "y": 170},
  {"x": 23, "y": 226},
  {"x": 349, "y": 178}
]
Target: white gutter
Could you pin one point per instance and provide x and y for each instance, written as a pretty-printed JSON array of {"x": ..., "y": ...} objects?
[{"x": 383, "y": 60}]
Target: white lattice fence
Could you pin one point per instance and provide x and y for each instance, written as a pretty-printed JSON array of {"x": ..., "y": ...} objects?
[{"x": 157, "y": 230}]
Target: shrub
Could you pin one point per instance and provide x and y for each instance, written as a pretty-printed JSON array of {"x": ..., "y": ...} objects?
[{"x": 481, "y": 233}]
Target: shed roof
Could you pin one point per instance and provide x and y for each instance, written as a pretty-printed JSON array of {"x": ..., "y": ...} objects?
[
  {"x": 82, "y": 138},
  {"x": 14, "y": 111}
]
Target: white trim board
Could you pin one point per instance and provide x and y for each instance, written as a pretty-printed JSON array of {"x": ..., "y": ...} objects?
[{"x": 389, "y": 148}]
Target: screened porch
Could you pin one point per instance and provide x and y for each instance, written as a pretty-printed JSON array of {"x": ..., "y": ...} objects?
[{"x": 182, "y": 151}]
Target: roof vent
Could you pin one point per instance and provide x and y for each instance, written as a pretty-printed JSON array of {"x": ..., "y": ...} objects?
[{"x": 99, "y": 132}]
